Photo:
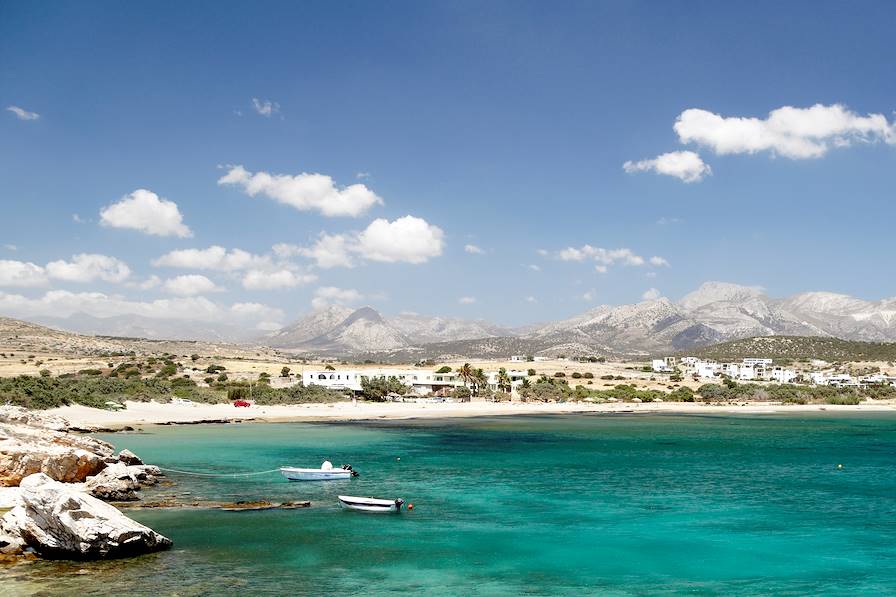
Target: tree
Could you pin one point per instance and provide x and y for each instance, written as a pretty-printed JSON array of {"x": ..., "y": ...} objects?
[
  {"x": 480, "y": 381},
  {"x": 444, "y": 369},
  {"x": 466, "y": 373},
  {"x": 194, "y": 357},
  {"x": 284, "y": 372},
  {"x": 461, "y": 393},
  {"x": 531, "y": 373},
  {"x": 504, "y": 383},
  {"x": 377, "y": 388},
  {"x": 237, "y": 393},
  {"x": 330, "y": 368}
]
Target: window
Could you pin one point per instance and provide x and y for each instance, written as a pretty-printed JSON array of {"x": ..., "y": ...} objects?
[{"x": 321, "y": 376}]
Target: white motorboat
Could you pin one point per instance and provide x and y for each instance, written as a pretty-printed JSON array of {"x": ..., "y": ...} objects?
[
  {"x": 326, "y": 472},
  {"x": 369, "y": 504}
]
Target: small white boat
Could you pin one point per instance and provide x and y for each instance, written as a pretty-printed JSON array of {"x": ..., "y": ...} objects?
[
  {"x": 369, "y": 504},
  {"x": 326, "y": 472}
]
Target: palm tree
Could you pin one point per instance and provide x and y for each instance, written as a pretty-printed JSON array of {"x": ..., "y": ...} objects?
[
  {"x": 480, "y": 379},
  {"x": 466, "y": 373},
  {"x": 504, "y": 383}
]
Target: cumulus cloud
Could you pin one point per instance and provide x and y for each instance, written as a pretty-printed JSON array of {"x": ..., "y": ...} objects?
[
  {"x": 406, "y": 240},
  {"x": 10, "y": 247},
  {"x": 215, "y": 258},
  {"x": 305, "y": 192},
  {"x": 190, "y": 285},
  {"x": 796, "y": 133},
  {"x": 21, "y": 274},
  {"x": 87, "y": 267},
  {"x": 473, "y": 250},
  {"x": 466, "y": 300},
  {"x": 651, "y": 294},
  {"x": 659, "y": 261},
  {"x": 145, "y": 211},
  {"x": 265, "y": 108},
  {"x": 22, "y": 113},
  {"x": 261, "y": 279},
  {"x": 531, "y": 299},
  {"x": 329, "y": 295},
  {"x": 589, "y": 295},
  {"x": 686, "y": 166},
  {"x": 251, "y": 311},
  {"x": 603, "y": 257},
  {"x": 533, "y": 267}
]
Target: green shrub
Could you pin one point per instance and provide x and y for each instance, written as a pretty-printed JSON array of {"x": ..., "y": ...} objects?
[{"x": 444, "y": 369}]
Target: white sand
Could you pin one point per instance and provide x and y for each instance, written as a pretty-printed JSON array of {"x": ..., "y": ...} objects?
[{"x": 138, "y": 413}]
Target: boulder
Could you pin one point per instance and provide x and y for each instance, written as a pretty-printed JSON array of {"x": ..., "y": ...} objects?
[
  {"x": 57, "y": 521},
  {"x": 27, "y": 449},
  {"x": 115, "y": 483},
  {"x": 129, "y": 458},
  {"x": 23, "y": 416}
]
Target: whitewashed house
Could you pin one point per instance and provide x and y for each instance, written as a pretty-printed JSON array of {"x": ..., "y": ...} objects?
[{"x": 706, "y": 369}]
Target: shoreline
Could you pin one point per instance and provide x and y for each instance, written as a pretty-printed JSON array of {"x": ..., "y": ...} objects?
[{"x": 153, "y": 413}]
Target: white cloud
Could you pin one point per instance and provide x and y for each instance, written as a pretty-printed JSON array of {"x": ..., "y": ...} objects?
[
  {"x": 406, "y": 240},
  {"x": 686, "y": 166},
  {"x": 286, "y": 250},
  {"x": 328, "y": 295},
  {"x": 601, "y": 269},
  {"x": 473, "y": 250},
  {"x": 10, "y": 247},
  {"x": 604, "y": 257},
  {"x": 150, "y": 282},
  {"x": 531, "y": 299},
  {"x": 253, "y": 311},
  {"x": 650, "y": 275},
  {"x": 268, "y": 326},
  {"x": 534, "y": 267},
  {"x": 78, "y": 219},
  {"x": 22, "y": 113},
  {"x": 304, "y": 192},
  {"x": 21, "y": 274},
  {"x": 362, "y": 175},
  {"x": 190, "y": 285},
  {"x": 215, "y": 258},
  {"x": 651, "y": 294},
  {"x": 86, "y": 267},
  {"x": 659, "y": 261},
  {"x": 664, "y": 221},
  {"x": 589, "y": 295},
  {"x": 796, "y": 133},
  {"x": 266, "y": 108},
  {"x": 270, "y": 279},
  {"x": 145, "y": 211},
  {"x": 466, "y": 300},
  {"x": 332, "y": 250}
]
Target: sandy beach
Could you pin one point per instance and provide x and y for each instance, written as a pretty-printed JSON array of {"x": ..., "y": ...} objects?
[{"x": 148, "y": 413}]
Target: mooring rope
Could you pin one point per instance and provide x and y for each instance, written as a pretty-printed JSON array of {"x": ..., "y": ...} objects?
[{"x": 198, "y": 474}]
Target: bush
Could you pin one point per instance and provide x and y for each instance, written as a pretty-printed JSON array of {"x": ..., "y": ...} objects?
[
  {"x": 444, "y": 369},
  {"x": 559, "y": 374},
  {"x": 222, "y": 377},
  {"x": 45, "y": 373},
  {"x": 588, "y": 375},
  {"x": 215, "y": 368},
  {"x": 377, "y": 388},
  {"x": 238, "y": 393},
  {"x": 90, "y": 372},
  {"x": 531, "y": 373},
  {"x": 576, "y": 375},
  {"x": 284, "y": 372},
  {"x": 462, "y": 393}
]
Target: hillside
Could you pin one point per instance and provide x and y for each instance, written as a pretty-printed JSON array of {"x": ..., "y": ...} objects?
[{"x": 797, "y": 348}]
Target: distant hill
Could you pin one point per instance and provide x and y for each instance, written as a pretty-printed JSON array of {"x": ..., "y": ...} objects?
[{"x": 798, "y": 348}]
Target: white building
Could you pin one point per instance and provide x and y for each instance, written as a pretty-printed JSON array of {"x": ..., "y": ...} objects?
[
  {"x": 690, "y": 361},
  {"x": 421, "y": 381},
  {"x": 754, "y": 361},
  {"x": 782, "y": 375},
  {"x": 662, "y": 366},
  {"x": 706, "y": 369}
]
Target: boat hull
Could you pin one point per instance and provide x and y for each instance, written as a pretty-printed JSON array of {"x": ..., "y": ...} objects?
[
  {"x": 313, "y": 474},
  {"x": 370, "y": 504}
]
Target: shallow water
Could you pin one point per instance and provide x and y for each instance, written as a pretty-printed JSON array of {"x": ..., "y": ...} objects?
[{"x": 610, "y": 505}]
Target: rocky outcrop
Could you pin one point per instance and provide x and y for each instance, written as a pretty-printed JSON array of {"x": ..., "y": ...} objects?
[
  {"x": 57, "y": 521},
  {"x": 115, "y": 483},
  {"x": 26, "y": 449},
  {"x": 129, "y": 458},
  {"x": 22, "y": 416}
]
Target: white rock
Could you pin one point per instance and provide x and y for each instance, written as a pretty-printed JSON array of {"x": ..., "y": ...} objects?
[
  {"x": 115, "y": 483},
  {"x": 129, "y": 458},
  {"x": 59, "y": 522}
]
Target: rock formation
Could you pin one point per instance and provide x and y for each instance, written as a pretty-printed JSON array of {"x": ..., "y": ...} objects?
[{"x": 57, "y": 521}]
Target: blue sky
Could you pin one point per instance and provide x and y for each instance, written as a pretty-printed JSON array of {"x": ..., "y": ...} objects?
[{"x": 500, "y": 125}]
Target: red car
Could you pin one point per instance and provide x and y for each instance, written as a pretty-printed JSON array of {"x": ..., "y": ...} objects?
[{"x": 241, "y": 403}]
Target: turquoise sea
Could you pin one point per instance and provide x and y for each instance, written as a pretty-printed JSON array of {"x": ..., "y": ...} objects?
[{"x": 558, "y": 505}]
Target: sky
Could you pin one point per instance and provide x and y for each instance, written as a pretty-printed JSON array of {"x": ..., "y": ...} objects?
[{"x": 512, "y": 161}]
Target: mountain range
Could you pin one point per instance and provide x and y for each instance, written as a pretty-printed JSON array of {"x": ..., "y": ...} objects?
[{"x": 715, "y": 312}]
